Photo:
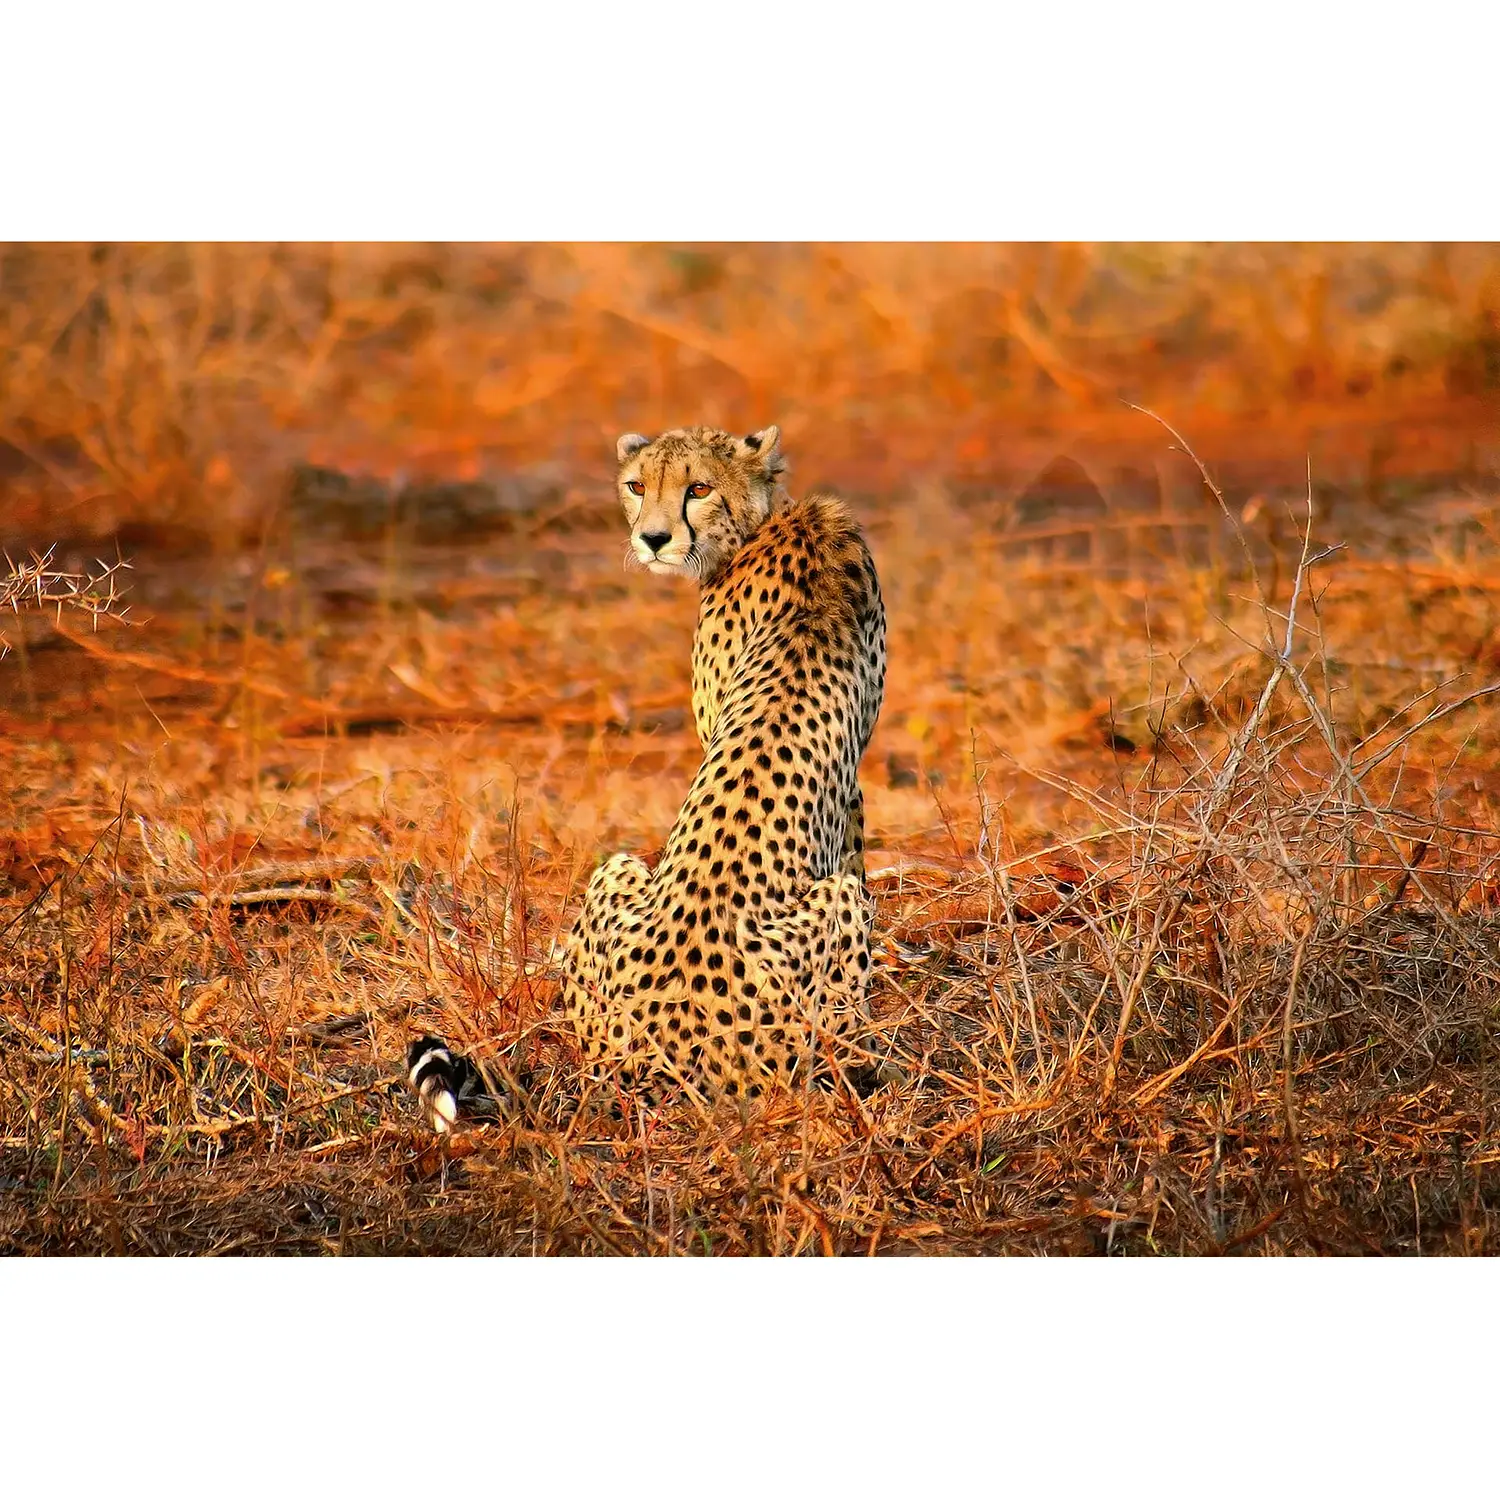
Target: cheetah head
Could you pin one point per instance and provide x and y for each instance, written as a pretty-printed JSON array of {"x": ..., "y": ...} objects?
[{"x": 694, "y": 497}]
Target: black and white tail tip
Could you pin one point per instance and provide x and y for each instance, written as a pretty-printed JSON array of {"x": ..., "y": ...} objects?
[{"x": 446, "y": 1083}]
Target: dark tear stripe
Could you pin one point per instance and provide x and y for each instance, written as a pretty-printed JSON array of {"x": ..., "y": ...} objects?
[{"x": 692, "y": 535}]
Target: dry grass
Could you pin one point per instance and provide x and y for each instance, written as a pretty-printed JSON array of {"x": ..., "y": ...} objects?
[
  {"x": 1186, "y": 908},
  {"x": 1183, "y": 829}
]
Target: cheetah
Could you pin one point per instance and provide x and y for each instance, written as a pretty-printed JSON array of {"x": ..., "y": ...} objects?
[{"x": 727, "y": 966}]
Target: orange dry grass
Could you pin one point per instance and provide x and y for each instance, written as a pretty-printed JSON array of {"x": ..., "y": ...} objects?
[{"x": 1178, "y": 957}]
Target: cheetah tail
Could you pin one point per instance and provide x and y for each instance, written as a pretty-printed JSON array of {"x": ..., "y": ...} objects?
[{"x": 446, "y": 1082}]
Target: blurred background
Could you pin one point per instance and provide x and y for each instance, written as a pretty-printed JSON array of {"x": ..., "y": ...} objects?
[
  {"x": 365, "y": 488},
  {"x": 184, "y": 394}
]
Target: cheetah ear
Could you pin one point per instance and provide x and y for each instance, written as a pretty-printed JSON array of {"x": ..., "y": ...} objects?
[
  {"x": 766, "y": 443},
  {"x": 630, "y": 445}
]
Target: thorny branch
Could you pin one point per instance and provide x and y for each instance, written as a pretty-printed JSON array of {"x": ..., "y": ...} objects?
[{"x": 37, "y": 585}]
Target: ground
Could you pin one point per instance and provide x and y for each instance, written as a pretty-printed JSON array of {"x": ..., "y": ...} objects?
[{"x": 1188, "y": 939}]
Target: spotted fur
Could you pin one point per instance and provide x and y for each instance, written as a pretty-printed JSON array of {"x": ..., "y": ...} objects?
[{"x": 750, "y": 941}]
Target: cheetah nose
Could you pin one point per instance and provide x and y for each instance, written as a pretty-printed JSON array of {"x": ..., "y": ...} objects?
[{"x": 656, "y": 540}]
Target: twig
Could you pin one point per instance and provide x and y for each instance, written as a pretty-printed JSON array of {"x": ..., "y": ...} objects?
[
  {"x": 1288, "y": 1100},
  {"x": 37, "y": 585}
]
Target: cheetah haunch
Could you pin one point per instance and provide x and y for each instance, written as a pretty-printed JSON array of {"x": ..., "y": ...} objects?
[{"x": 728, "y": 965}]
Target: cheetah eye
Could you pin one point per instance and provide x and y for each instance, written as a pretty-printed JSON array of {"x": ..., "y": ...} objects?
[
  {"x": 699, "y": 490},
  {"x": 635, "y": 487}
]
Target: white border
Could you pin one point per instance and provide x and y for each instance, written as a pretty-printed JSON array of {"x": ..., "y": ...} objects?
[
  {"x": 751, "y": 1378},
  {"x": 786, "y": 121}
]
